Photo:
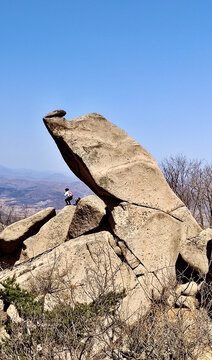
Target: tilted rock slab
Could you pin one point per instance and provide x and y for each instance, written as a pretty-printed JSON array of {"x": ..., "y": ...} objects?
[
  {"x": 88, "y": 215},
  {"x": 119, "y": 170},
  {"x": 53, "y": 233},
  {"x": 13, "y": 236},
  {"x": 110, "y": 162}
]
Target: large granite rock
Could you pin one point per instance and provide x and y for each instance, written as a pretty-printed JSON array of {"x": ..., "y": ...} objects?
[
  {"x": 88, "y": 215},
  {"x": 151, "y": 235},
  {"x": 13, "y": 236},
  {"x": 110, "y": 162},
  {"x": 53, "y": 233},
  {"x": 149, "y": 229},
  {"x": 82, "y": 268},
  {"x": 151, "y": 224}
]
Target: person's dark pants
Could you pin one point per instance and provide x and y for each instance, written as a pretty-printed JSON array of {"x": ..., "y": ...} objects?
[{"x": 68, "y": 200}]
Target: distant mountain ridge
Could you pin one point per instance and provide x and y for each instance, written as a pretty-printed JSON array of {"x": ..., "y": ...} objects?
[
  {"x": 34, "y": 175},
  {"x": 36, "y": 190}
]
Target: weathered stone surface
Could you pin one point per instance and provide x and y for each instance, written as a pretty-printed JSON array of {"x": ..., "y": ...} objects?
[
  {"x": 83, "y": 267},
  {"x": 189, "y": 288},
  {"x": 111, "y": 163},
  {"x": 135, "y": 305},
  {"x": 194, "y": 251},
  {"x": 128, "y": 255},
  {"x": 56, "y": 113},
  {"x": 1, "y": 305},
  {"x": 150, "y": 242},
  {"x": 3, "y": 317},
  {"x": 88, "y": 215},
  {"x": 191, "y": 227},
  {"x": 3, "y": 335},
  {"x": 183, "y": 295},
  {"x": 14, "y": 235},
  {"x": 53, "y": 233},
  {"x": 50, "y": 302},
  {"x": 13, "y": 314},
  {"x": 152, "y": 236}
]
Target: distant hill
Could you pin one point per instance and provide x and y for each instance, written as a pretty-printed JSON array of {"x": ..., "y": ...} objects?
[
  {"x": 33, "y": 175},
  {"x": 35, "y": 190}
]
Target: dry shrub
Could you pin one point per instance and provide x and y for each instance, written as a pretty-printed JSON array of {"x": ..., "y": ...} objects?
[
  {"x": 166, "y": 333},
  {"x": 11, "y": 214},
  {"x": 97, "y": 331}
]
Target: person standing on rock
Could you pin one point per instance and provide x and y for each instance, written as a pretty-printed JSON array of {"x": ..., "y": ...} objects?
[{"x": 68, "y": 196}]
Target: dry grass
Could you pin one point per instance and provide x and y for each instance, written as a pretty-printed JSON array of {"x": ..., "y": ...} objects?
[{"x": 97, "y": 330}]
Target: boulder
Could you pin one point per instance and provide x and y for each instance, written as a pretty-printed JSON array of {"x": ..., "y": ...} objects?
[
  {"x": 80, "y": 270},
  {"x": 152, "y": 236},
  {"x": 56, "y": 113},
  {"x": 13, "y": 236},
  {"x": 110, "y": 162},
  {"x": 13, "y": 314},
  {"x": 88, "y": 215},
  {"x": 189, "y": 288},
  {"x": 151, "y": 224},
  {"x": 183, "y": 295},
  {"x": 49, "y": 302},
  {"x": 53, "y": 233},
  {"x": 194, "y": 252}
]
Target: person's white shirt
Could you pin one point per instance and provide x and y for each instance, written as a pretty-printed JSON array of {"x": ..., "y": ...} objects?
[{"x": 67, "y": 194}]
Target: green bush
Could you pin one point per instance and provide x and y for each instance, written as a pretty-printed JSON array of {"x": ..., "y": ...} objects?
[
  {"x": 23, "y": 300},
  {"x": 69, "y": 327}
]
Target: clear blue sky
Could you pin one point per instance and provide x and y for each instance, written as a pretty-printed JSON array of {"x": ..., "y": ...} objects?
[{"x": 145, "y": 65}]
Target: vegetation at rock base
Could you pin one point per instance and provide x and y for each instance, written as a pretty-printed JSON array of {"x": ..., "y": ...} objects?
[
  {"x": 97, "y": 331},
  {"x": 72, "y": 327},
  {"x": 24, "y": 301}
]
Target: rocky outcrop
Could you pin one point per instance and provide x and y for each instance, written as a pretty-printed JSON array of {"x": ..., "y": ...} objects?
[
  {"x": 88, "y": 215},
  {"x": 147, "y": 218},
  {"x": 87, "y": 266},
  {"x": 53, "y": 233},
  {"x": 153, "y": 237},
  {"x": 130, "y": 238},
  {"x": 111, "y": 163},
  {"x": 13, "y": 236}
]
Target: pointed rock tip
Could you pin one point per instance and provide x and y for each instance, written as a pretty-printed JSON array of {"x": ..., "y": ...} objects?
[{"x": 55, "y": 113}]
